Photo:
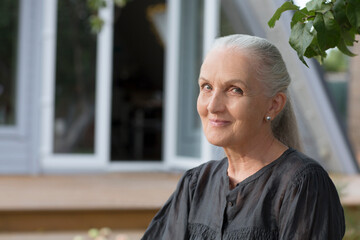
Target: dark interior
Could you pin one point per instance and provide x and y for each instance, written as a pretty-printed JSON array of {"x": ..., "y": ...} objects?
[{"x": 137, "y": 90}]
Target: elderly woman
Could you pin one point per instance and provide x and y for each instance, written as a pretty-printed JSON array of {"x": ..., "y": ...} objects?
[{"x": 264, "y": 188}]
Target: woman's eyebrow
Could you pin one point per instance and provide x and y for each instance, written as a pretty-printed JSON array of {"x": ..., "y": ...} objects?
[
  {"x": 233, "y": 81},
  {"x": 203, "y": 79}
]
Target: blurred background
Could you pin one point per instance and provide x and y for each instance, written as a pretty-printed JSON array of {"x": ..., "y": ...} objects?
[{"x": 96, "y": 128}]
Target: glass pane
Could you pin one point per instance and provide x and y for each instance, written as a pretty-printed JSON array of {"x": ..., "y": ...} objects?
[
  {"x": 189, "y": 126},
  {"x": 231, "y": 18},
  {"x": 343, "y": 84},
  {"x": 75, "y": 80},
  {"x": 138, "y": 73},
  {"x": 226, "y": 27},
  {"x": 8, "y": 50}
]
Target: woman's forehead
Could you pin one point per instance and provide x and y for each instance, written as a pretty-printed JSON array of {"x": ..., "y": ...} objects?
[{"x": 228, "y": 63}]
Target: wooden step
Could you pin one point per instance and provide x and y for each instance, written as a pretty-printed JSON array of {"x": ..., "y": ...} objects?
[
  {"x": 68, "y": 220},
  {"x": 80, "y": 202}
]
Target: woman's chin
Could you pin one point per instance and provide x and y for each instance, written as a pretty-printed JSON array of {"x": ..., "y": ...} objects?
[{"x": 217, "y": 141}]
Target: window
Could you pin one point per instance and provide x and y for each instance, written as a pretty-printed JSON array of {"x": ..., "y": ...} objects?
[{"x": 8, "y": 66}]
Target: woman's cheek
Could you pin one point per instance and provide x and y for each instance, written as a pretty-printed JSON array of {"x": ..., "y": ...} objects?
[{"x": 201, "y": 105}]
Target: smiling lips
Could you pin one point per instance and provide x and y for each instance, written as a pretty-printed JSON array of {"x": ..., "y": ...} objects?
[{"x": 218, "y": 123}]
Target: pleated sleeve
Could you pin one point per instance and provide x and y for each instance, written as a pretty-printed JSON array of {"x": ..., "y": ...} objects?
[
  {"x": 311, "y": 208},
  {"x": 171, "y": 221}
]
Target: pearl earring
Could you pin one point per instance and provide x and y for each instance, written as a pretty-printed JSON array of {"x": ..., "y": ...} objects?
[{"x": 268, "y": 118}]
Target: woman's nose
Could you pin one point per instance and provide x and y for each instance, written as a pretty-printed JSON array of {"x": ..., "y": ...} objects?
[{"x": 216, "y": 103}]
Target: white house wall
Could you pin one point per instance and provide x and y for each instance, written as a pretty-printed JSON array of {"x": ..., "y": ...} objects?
[{"x": 19, "y": 143}]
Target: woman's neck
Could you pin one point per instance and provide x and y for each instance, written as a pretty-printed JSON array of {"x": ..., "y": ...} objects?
[{"x": 244, "y": 162}]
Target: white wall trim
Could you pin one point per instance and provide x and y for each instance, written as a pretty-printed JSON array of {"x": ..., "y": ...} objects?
[
  {"x": 171, "y": 81},
  {"x": 48, "y": 79},
  {"x": 211, "y": 31},
  {"x": 138, "y": 166},
  {"x": 103, "y": 85}
]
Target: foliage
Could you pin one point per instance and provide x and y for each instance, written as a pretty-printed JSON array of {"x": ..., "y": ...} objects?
[
  {"x": 321, "y": 25},
  {"x": 335, "y": 61},
  {"x": 352, "y": 220},
  {"x": 96, "y": 22},
  {"x": 101, "y": 234}
]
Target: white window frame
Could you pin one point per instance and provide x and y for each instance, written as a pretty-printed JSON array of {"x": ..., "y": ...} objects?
[
  {"x": 55, "y": 162},
  {"x": 211, "y": 23}
]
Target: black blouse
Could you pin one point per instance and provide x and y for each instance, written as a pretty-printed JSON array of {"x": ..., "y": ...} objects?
[{"x": 291, "y": 198}]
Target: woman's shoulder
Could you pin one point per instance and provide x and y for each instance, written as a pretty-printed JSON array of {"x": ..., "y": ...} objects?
[{"x": 297, "y": 166}]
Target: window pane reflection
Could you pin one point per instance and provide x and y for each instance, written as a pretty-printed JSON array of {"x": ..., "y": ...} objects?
[
  {"x": 341, "y": 75},
  {"x": 75, "y": 80},
  {"x": 8, "y": 50}
]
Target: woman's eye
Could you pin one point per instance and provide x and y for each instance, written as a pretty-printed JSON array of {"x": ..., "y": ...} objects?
[
  {"x": 237, "y": 90},
  {"x": 206, "y": 87}
]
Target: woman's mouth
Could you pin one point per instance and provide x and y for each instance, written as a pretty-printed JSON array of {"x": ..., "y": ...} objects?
[{"x": 218, "y": 123}]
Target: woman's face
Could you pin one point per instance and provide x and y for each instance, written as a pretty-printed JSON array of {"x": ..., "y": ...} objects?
[{"x": 231, "y": 103}]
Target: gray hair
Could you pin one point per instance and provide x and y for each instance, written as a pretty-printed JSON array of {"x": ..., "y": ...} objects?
[{"x": 271, "y": 71}]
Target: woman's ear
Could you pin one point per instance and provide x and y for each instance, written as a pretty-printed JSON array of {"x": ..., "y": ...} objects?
[{"x": 277, "y": 103}]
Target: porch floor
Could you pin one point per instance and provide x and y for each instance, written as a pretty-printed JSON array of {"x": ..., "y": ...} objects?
[
  {"x": 125, "y": 201},
  {"x": 84, "y": 192}
]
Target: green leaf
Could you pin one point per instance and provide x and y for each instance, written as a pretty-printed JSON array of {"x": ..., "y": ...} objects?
[
  {"x": 301, "y": 16},
  {"x": 95, "y": 5},
  {"x": 343, "y": 48},
  {"x": 324, "y": 8},
  {"x": 120, "y": 3},
  {"x": 314, "y": 5},
  {"x": 96, "y": 24},
  {"x": 328, "y": 30},
  {"x": 353, "y": 13},
  {"x": 348, "y": 36},
  {"x": 339, "y": 11},
  {"x": 285, "y": 7},
  {"x": 314, "y": 50},
  {"x": 300, "y": 38},
  {"x": 336, "y": 61},
  {"x": 93, "y": 233}
]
